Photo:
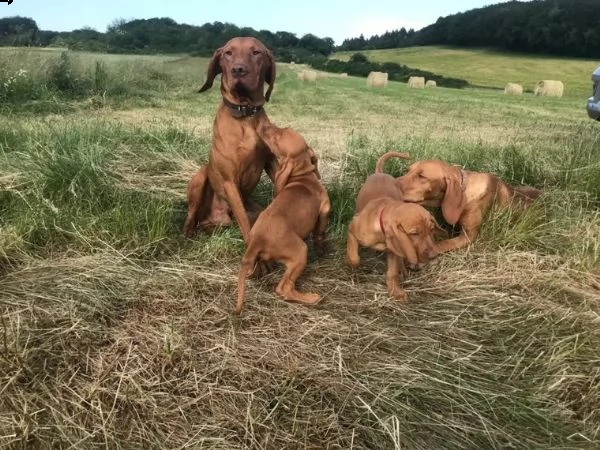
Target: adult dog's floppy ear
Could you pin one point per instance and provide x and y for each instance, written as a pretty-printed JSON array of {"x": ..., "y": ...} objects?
[
  {"x": 453, "y": 203},
  {"x": 397, "y": 242},
  {"x": 270, "y": 74},
  {"x": 214, "y": 68}
]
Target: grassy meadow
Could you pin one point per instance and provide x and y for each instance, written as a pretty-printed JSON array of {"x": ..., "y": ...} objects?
[
  {"x": 491, "y": 68},
  {"x": 117, "y": 332}
]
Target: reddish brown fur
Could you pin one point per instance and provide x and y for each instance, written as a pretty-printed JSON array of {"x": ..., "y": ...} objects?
[
  {"x": 465, "y": 197},
  {"x": 380, "y": 184},
  {"x": 301, "y": 206},
  {"x": 406, "y": 237},
  {"x": 238, "y": 155}
]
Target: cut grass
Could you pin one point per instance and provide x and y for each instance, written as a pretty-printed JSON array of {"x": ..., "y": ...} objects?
[{"x": 117, "y": 332}]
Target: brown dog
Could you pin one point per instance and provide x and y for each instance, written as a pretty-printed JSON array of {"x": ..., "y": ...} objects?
[
  {"x": 301, "y": 206},
  {"x": 403, "y": 230},
  {"x": 238, "y": 155},
  {"x": 380, "y": 184},
  {"x": 465, "y": 197}
]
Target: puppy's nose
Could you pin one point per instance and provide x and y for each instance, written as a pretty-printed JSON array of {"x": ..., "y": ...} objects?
[
  {"x": 432, "y": 254},
  {"x": 238, "y": 70}
]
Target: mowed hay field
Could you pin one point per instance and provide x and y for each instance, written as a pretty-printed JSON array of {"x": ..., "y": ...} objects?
[
  {"x": 491, "y": 68},
  {"x": 118, "y": 332}
]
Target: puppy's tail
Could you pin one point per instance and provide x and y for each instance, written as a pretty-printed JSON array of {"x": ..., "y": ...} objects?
[
  {"x": 528, "y": 192},
  {"x": 248, "y": 264},
  {"x": 383, "y": 158}
]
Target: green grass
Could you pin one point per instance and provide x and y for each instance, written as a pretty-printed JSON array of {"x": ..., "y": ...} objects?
[
  {"x": 492, "y": 68},
  {"x": 118, "y": 332}
]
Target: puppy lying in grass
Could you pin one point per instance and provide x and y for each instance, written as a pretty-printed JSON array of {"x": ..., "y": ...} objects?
[
  {"x": 465, "y": 197},
  {"x": 301, "y": 206},
  {"x": 384, "y": 222}
]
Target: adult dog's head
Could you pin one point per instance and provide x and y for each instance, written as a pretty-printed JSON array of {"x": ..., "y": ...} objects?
[
  {"x": 245, "y": 64},
  {"x": 434, "y": 183},
  {"x": 409, "y": 230}
]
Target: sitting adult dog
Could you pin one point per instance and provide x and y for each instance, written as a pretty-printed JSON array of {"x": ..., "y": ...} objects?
[
  {"x": 238, "y": 155},
  {"x": 465, "y": 197},
  {"x": 301, "y": 206},
  {"x": 403, "y": 230}
]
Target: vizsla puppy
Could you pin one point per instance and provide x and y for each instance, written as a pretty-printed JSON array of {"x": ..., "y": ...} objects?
[
  {"x": 301, "y": 206},
  {"x": 238, "y": 155},
  {"x": 465, "y": 197},
  {"x": 380, "y": 184},
  {"x": 403, "y": 230}
]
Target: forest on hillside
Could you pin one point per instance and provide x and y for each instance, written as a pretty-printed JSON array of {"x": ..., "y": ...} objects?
[{"x": 555, "y": 27}]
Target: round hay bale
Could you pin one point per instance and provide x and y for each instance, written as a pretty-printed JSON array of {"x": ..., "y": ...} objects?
[
  {"x": 292, "y": 62},
  {"x": 416, "y": 82},
  {"x": 343, "y": 75},
  {"x": 307, "y": 75},
  {"x": 513, "y": 89},
  {"x": 430, "y": 83},
  {"x": 549, "y": 88},
  {"x": 377, "y": 79}
]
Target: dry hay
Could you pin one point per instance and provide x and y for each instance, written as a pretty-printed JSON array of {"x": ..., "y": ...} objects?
[
  {"x": 549, "y": 88},
  {"x": 430, "y": 83},
  {"x": 377, "y": 79},
  {"x": 307, "y": 75},
  {"x": 416, "y": 82},
  {"x": 343, "y": 75},
  {"x": 513, "y": 89}
]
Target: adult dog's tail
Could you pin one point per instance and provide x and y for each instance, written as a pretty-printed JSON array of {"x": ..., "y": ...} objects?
[{"x": 383, "y": 158}]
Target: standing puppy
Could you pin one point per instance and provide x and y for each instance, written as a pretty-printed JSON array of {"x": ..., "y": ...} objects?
[
  {"x": 403, "y": 230},
  {"x": 301, "y": 206}
]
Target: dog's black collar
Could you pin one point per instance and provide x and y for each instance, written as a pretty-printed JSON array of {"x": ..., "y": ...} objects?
[{"x": 241, "y": 110}]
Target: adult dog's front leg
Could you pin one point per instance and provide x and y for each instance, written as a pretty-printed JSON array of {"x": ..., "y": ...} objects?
[{"x": 237, "y": 207}]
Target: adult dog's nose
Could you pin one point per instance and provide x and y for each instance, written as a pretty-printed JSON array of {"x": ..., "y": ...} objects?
[{"x": 238, "y": 70}]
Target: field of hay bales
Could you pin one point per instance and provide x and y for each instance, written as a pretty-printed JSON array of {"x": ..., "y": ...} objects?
[
  {"x": 118, "y": 332},
  {"x": 491, "y": 68}
]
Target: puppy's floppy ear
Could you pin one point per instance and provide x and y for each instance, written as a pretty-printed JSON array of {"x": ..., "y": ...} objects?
[
  {"x": 270, "y": 74},
  {"x": 214, "y": 68},
  {"x": 283, "y": 174},
  {"x": 398, "y": 242},
  {"x": 453, "y": 203}
]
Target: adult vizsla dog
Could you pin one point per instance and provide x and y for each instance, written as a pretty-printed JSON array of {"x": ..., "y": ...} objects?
[
  {"x": 238, "y": 155},
  {"x": 465, "y": 197},
  {"x": 380, "y": 184},
  {"x": 403, "y": 230},
  {"x": 301, "y": 206}
]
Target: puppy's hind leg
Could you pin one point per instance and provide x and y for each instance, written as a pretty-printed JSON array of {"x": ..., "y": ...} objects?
[{"x": 294, "y": 256}]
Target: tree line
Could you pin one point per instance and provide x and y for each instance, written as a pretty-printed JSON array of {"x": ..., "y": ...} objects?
[
  {"x": 159, "y": 35},
  {"x": 555, "y": 27}
]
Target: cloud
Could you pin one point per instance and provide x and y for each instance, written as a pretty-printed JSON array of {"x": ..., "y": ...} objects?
[{"x": 369, "y": 26}]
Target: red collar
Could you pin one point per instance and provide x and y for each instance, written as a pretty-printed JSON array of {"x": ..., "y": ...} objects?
[{"x": 381, "y": 221}]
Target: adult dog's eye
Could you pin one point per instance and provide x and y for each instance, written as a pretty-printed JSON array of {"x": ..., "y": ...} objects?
[
  {"x": 229, "y": 53},
  {"x": 256, "y": 52}
]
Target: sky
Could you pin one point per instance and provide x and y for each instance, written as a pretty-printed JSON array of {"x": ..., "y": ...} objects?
[{"x": 338, "y": 19}]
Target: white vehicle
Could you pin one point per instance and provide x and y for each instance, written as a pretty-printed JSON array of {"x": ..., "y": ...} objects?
[{"x": 593, "y": 103}]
